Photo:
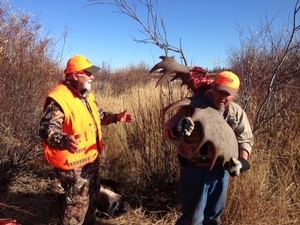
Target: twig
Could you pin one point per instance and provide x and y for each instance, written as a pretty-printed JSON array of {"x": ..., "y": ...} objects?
[{"x": 16, "y": 208}]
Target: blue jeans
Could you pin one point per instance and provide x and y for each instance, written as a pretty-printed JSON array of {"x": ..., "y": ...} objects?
[{"x": 202, "y": 194}]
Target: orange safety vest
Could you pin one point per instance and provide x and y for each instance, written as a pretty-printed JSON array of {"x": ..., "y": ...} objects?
[{"x": 78, "y": 120}]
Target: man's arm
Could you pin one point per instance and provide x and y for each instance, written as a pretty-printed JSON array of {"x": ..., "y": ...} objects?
[
  {"x": 244, "y": 136},
  {"x": 109, "y": 117},
  {"x": 243, "y": 154},
  {"x": 50, "y": 130}
]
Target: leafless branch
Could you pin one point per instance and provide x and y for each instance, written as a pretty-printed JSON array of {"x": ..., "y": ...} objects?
[
  {"x": 290, "y": 47},
  {"x": 151, "y": 29},
  {"x": 16, "y": 208}
]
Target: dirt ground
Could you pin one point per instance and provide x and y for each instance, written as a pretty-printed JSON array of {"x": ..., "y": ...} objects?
[{"x": 37, "y": 200}]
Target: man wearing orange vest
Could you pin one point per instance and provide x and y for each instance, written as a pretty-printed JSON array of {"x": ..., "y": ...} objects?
[{"x": 70, "y": 130}]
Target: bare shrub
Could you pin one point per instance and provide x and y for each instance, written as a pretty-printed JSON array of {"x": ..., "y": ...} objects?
[
  {"x": 28, "y": 69},
  {"x": 268, "y": 65},
  {"x": 119, "y": 81}
]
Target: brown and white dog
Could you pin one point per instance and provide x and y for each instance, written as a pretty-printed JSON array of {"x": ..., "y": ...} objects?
[{"x": 110, "y": 201}]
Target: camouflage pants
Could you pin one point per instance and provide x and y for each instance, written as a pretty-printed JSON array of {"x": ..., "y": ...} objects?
[{"x": 81, "y": 187}]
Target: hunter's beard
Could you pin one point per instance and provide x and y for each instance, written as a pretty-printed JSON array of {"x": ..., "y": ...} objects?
[{"x": 88, "y": 86}]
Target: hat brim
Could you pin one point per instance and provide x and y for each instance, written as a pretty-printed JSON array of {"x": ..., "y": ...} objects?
[
  {"x": 93, "y": 69},
  {"x": 231, "y": 91}
]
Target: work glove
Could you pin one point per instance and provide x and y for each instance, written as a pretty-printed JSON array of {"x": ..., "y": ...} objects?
[
  {"x": 184, "y": 127},
  {"x": 237, "y": 166}
]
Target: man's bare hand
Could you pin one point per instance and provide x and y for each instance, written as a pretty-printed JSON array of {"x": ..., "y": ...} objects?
[
  {"x": 72, "y": 143},
  {"x": 125, "y": 117}
]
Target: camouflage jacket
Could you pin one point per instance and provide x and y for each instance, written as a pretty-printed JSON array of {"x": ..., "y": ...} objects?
[{"x": 50, "y": 130}]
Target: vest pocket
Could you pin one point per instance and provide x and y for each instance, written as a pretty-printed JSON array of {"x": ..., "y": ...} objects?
[{"x": 78, "y": 159}]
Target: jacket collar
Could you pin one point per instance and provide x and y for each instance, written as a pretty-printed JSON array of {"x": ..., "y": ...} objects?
[{"x": 69, "y": 84}]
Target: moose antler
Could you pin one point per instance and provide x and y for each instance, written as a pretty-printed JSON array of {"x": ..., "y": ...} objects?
[
  {"x": 215, "y": 130},
  {"x": 193, "y": 77}
]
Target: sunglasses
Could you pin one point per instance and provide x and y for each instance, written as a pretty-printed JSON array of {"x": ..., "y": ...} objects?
[{"x": 85, "y": 72}]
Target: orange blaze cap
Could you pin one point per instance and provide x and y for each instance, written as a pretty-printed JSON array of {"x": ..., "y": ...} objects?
[
  {"x": 79, "y": 63},
  {"x": 227, "y": 81}
]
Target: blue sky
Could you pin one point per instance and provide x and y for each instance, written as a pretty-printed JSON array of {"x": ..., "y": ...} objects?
[{"x": 207, "y": 28}]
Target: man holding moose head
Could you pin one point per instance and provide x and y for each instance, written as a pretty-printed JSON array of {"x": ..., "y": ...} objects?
[{"x": 203, "y": 191}]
